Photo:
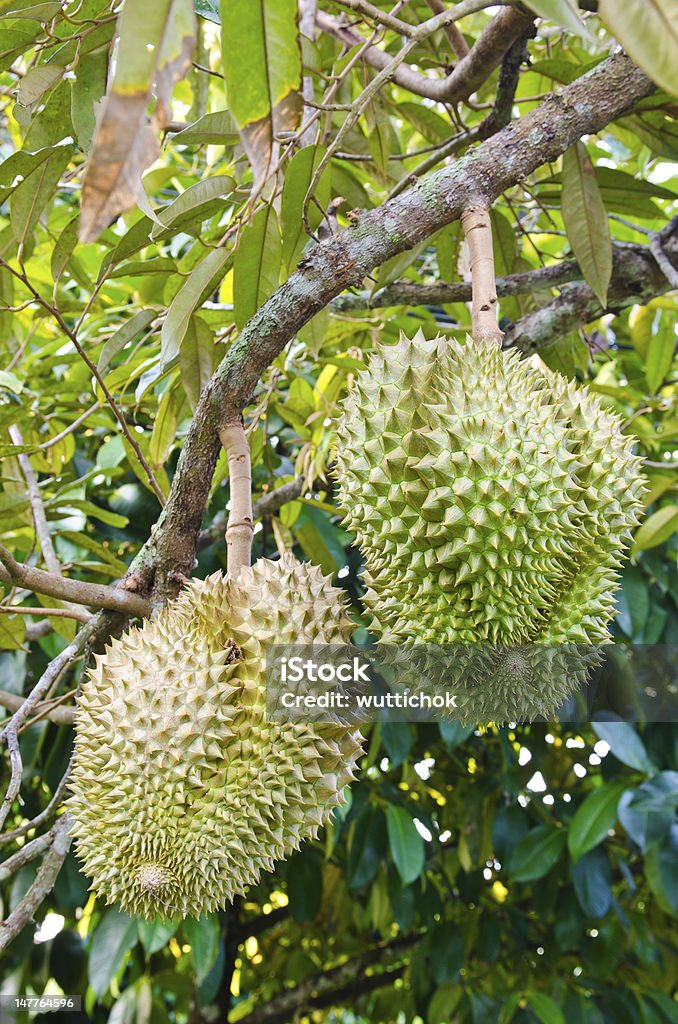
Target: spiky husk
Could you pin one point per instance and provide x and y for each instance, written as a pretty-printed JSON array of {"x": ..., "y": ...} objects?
[
  {"x": 492, "y": 500},
  {"x": 182, "y": 792}
]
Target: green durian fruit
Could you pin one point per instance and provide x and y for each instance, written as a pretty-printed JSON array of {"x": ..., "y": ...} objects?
[
  {"x": 182, "y": 791},
  {"x": 492, "y": 501}
]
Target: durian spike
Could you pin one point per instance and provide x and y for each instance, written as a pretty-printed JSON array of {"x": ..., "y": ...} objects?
[
  {"x": 240, "y": 527},
  {"x": 478, "y": 231}
]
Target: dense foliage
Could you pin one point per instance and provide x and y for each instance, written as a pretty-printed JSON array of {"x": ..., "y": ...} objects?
[{"x": 525, "y": 873}]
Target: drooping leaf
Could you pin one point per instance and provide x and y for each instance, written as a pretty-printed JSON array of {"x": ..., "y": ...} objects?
[
  {"x": 262, "y": 64},
  {"x": 256, "y": 265},
  {"x": 625, "y": 744},
  {"x": 298, "y": 177},
  {"x": 154, "y": 51},
  {"x": 115, "y": 934},
  {"x": 193, "y": 205},
  {"x": 196, "y": 359},
  {"x": 661, "y": 525},
  {"x": 560, "y": 12},
  {"x": 586, "y": 220},
  {"x": 185, "y": 301},
  {"x": 648, "y": 31},
  {"x": 594, "y": 818},
  {"x": 131, "y": 329},
  {"x": 660, "y": 354},
  {"x": 407, "y": 846},
  {"x": 536, "y": 853},
  {"x": 592, "y": 880},
  {"x": 203, "y": 937},
  {"x": 31, "y": 196},
  {"x": 164, "y": 430}
]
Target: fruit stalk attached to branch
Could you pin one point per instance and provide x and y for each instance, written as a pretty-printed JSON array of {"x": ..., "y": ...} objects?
[
  {"x": 239, "y": 529},
  {"x": 478, "y": 231}
]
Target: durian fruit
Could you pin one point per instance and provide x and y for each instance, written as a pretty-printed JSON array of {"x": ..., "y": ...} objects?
[
  {"x": 182, "y": 791},
  {"x": 492, "y": 500}
]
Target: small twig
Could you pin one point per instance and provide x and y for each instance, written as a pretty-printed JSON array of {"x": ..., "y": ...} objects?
[
  {"x": 478, "y": 231},
  {"x": 454, "y": 34},
  {"x": 25, "y": 855},
  {"x": 11, "y": 737},
  {"x": 239, "y": 530},
  {"x": 368, "y": 10},
  {"x": 59, "y": 715},
  {"x": 43, "y": 816},
  {"x": 70, "y": 428},
  {"x": 37, "y": 507},
  {"x": 73, "y": 338},
  {"x": 56, "y": 613},
  {"x": 95, "y": 594},
  {"x": 43, "y": 884}
]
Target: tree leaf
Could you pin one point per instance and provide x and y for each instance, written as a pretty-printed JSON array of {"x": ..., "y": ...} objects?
[
  {"x": 37, "y": 81},
  {"x": 545, "y": 1008},
  {"x": 131, "y": 329},
  {"x": 203, "y": 937},
  {"x": 187, "y": 298},
  {"x": 661, "y": 525},
  {"x": 154, "y": 935},
  {"x": 186, "y": 208},
  {"x": 196, "y": 359},
  {"x": 661, "y": 866},
  {"x": 217, "y": 129},
  {"x": 262, "y": 65},
  {"x": 560, "y": 12},
  {"x": 154, "y": 51},
  {"x": 407, "y": 846},
  {"x": 297, "y": 180},
  {"x": 625, "y": 744},
  {"x": 31, "y": 196},
  {"x": 115, "y": 934},
  {"x": 586, "y": 220},
  {"x": 256, "y": 265},
  {"x": 592, "y": 880},
  {"x": 536, "y": 853},
  {"x": 648, "y": 31},
  {"x": 593, "y": 819},
  {"x": 87, "y": 89},
  {"x": 164, "y": 430},
  {"x": 660, "y": 353}
]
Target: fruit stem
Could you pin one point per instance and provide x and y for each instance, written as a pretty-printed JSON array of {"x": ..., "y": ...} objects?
[
  {"x": 239, "y": 528},
  {"x": 478, "y": 231}
]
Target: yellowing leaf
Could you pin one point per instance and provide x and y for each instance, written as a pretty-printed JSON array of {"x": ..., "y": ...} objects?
[
  {"x": 586, "y": 220},
  {"x": 648, "y": 31}
]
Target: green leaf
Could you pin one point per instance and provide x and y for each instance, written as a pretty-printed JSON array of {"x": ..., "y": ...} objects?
[
  {"x": 661, "y": 525},
  {"x": 203, "y": 938},
  {"x": 592, "y": 880},
  {"x": 202, "y": 279},
  {"x": 647, "y": 813},
  {"x": 32, "y": 195},
  {"x": 661, "y": 867},
  {"x": 115, "y": 934},
  {"x": 545, "y": 1008},
  {"x": 218, "y": 129},
  {"x": 593, "y": 819},
  {"x": 625, "y": 744},
  {"x": 154, "y": 51},
  {"x": 154, "y": 935},
  {"x": 130, "y": 330},
  {"x": 560, "y": 12},
  {"x": 8, "y": 451},
  {"x": 196, "y": 359},
  {"x": 648, "y": 31},
  {"x": 660, "y": 354},
  {"x": 261, "y": 54},
  {"x": 407, "y": 846},
  {"x": 37, "y": 81},
  {"x": 586, "y": 220},
  {"x": 164, "y": 430},
  {"x": 256, "y": 265},
  {"x": 193, "y": 205},
  {"x": 536, "y": 853},
  {"x": 297, "y": 180},
  {"x": 304, "y": 877}
]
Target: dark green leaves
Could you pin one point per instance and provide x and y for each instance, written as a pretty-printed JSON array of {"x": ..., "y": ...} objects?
[
  {"x": 407, "y": 846},
  {"x": 115, "y": 934},
  {"x": 586, "y": 220},
  {"x": 536, "y": 853},
  {"x": 593, "y": 820},
  {"x": 257, "y": 265}
]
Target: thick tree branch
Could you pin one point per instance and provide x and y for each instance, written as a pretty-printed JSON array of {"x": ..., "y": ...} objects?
[
  {"x": 636, "y": 278},
  {"x": 470, "y": 73},
  {"x": 586, "y": 106},
  {"x": 95, "y": 594},
  {"x": 331, "y": 987}
]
